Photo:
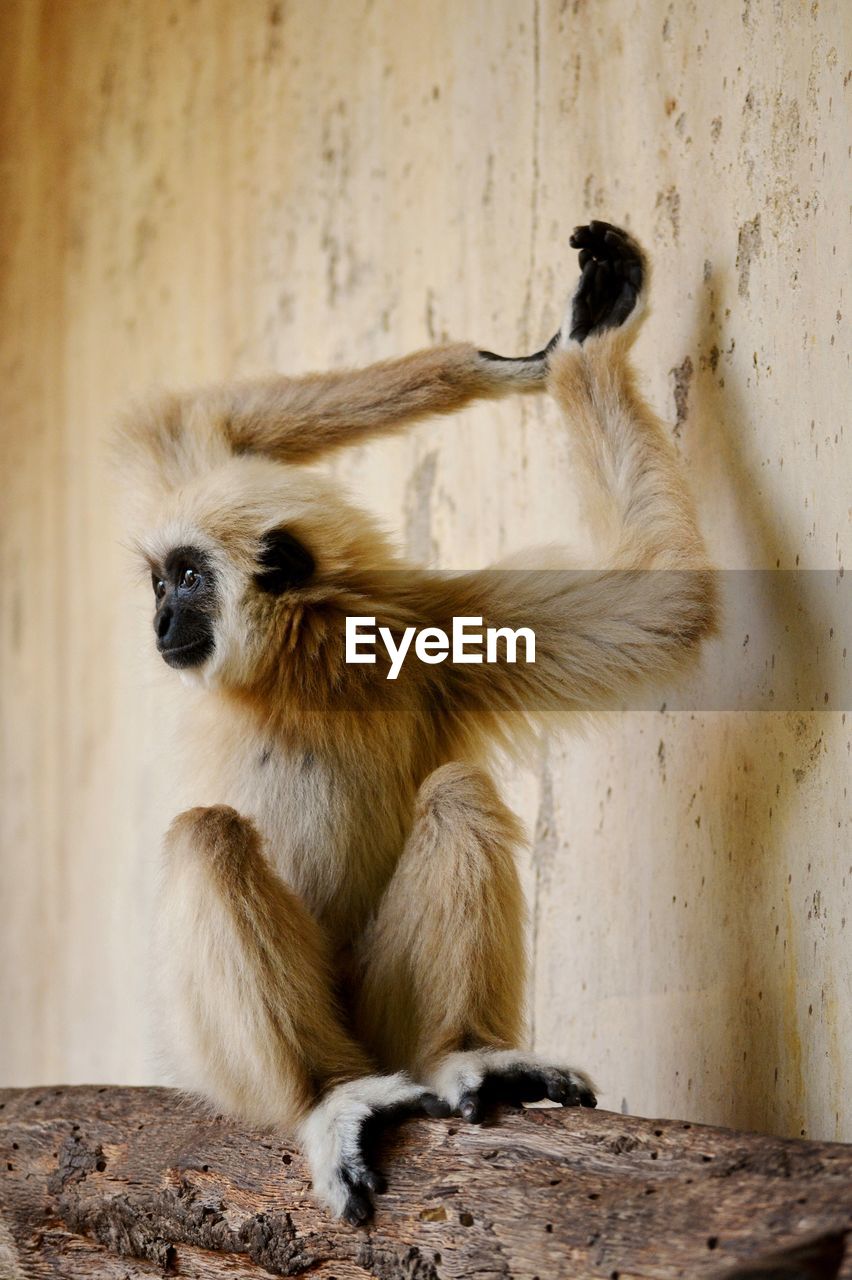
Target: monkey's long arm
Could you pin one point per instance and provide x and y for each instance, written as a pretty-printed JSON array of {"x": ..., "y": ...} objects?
[
  {"x": 599, "y": 634},
  {"x": 299, "y": 419}
]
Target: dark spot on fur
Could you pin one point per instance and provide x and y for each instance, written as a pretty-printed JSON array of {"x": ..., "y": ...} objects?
[{"x": 286, "y": 563}]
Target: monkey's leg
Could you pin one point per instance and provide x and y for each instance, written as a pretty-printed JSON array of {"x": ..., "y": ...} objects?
[
  {"x": 253, "y": 1019},
  {"x": 445, "y": 965}
]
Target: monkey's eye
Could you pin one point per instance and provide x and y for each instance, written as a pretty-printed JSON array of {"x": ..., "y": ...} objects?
[
  {"x": 188, "y": 579},
  {"x": 158, "y": 585}
]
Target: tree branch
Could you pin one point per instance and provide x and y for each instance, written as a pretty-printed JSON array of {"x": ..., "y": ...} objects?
[{"x": 124, "y": 1183}]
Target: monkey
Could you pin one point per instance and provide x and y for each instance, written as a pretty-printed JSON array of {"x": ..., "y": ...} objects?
[{"x": 340, "y": 931}]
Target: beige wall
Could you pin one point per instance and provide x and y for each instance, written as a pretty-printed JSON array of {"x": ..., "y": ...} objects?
[{"x": 198, "y": 189}]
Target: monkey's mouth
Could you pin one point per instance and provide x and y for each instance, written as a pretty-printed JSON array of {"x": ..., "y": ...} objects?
[{"x": 188, "y": 655}]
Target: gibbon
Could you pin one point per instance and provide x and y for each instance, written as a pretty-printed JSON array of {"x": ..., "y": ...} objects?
[{"x": 341, "y": 923}]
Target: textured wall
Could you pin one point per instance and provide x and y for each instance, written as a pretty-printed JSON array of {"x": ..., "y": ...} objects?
[{"x": 194, "y": 189}]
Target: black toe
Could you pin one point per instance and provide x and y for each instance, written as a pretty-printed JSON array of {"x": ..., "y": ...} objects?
[
  {"x": 558, "y": 1090},
  {"x": 436, "y": 1107},
  {"x": 358, "y": 1209},
  {"x": 470, "y": 1108}
]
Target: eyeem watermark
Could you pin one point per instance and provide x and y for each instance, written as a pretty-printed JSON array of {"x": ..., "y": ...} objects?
[{"x": 432, "y": 645}]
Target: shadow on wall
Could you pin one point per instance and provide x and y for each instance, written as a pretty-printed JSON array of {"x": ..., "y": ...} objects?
[{"x": 753, "y": 770}]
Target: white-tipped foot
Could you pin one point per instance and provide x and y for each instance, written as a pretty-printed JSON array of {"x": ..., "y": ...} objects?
[
  {"x": 471, "y": 1082},
  {"x": 333, "y": 1139}
]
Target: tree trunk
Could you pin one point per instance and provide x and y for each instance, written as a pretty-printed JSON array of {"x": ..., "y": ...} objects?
[{"x": 122, "y": 1183}]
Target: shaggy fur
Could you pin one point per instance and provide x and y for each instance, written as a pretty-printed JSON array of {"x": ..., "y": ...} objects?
[{"x": 346, "y": 902}]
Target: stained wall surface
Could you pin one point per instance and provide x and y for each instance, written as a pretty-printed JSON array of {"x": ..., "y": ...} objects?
[{"x": 202, "y": 188}]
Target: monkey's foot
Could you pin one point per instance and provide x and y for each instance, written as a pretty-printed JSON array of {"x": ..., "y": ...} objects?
[
  {"x": 613, "y": 273},
  {"x": 339, "y": 1132},
  {"x": 475, "y": 1082}
]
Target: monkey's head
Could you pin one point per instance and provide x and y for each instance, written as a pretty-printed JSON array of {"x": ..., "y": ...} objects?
[{"x": 246, "y": 558}]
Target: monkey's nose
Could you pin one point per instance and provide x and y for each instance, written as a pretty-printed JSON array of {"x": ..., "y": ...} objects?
[{"x": 162, "y": 623}]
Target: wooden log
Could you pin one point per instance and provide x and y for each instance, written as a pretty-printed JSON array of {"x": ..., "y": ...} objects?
[
  {"x": 819, "y": 1258},
  {"x": 120, "y": 1183}
]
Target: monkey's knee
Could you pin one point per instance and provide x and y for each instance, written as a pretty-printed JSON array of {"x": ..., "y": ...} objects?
[
  {"x": 457, "y": 782},
  {"x": 218, "y": 834},
  {"x": 460, "y": 799},
  {"x": 458, "y": 879}
]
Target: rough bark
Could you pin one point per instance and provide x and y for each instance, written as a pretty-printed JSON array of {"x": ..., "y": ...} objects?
[{"x": 125, "y": 1183}]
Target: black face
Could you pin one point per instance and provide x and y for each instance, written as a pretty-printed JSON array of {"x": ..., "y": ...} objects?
[{"x": 186, "y": 598}]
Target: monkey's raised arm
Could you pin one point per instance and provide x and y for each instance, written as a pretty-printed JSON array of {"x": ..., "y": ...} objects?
[
  {"x": 599, "y": 634},
  {"x": 298, "y": 419}
]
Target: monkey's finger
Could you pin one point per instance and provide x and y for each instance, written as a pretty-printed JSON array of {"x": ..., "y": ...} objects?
[
  {"x": 569, "y": 1089},
  {"x": 358, "y": 1208},
  {"x": 600, "y": 229},
  {"x": 375, "y": 1181},
  {"x": 587, "y": 276},
  {"x": 584, "y": 293},
  {"x": 623, "y": 305},
  {"x": 396, "y": 1112},
  {"x": 635, "y": 273},
  {"x": 581, "y": 238},
  {"x": 624, "y": 250},
  {"x": 621, "y": 242},
  {"x": 525, "y": 1086},
  {"x": 559, "y": 1090},
  {"x": 581, "y": 324},
  {"x": 513, "y": 1087},
  {"x": 617, "y": 242},
  {"x": 585, "y": 256},
  {"x": 503, "y": 1089},
  {"x": 595, "y": 241},
  {"x": 598, "y": 301},
  {"x": 603, "y": 283},
  {"x": 471, "y": 1108},
  {"x": 580, "y": 1092},
  {"x": 435, "y": 1107},
  {"x": 360, "y": 1177}
]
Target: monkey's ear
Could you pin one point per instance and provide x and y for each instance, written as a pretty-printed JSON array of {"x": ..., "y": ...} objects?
[{"x": 285, "y": 563}]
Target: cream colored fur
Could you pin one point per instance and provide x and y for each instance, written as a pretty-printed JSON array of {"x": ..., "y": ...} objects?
[{"x": 345, "y": 902}]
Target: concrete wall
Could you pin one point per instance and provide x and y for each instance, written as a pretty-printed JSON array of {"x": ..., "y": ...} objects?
[{"x": 198, "y": 189}]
